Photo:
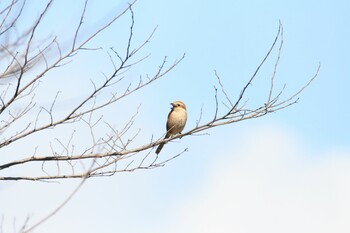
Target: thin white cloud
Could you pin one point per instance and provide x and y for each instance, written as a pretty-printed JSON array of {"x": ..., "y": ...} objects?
[{"x": 271, "y": 186}]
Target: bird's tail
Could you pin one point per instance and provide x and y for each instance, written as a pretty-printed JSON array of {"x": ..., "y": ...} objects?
[{"x": 159, "y": 148}]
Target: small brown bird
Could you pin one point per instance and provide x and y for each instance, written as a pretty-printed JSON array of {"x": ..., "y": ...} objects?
[{"x": 176, "y": 121}]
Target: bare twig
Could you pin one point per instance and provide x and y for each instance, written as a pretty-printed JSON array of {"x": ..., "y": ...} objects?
[{"x": 112, "y": 152}]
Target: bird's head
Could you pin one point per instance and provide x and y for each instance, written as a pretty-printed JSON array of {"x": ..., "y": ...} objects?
[{"x": 178, "y": 104}]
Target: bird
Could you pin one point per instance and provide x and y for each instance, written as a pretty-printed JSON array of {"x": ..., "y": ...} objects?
[{"x": 176, "y": 122}]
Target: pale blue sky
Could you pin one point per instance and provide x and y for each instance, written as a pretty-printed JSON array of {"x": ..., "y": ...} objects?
[{"x": 286, "y": 172}]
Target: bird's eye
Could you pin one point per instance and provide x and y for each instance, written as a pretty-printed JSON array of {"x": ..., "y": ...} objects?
[{"x": 178, "y": 105}]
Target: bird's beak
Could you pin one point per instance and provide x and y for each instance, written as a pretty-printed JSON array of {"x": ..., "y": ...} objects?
[{"x": 172, "y": 104}]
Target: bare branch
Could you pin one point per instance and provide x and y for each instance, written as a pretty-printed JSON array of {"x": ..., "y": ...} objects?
[
  {"x": 117, "y": 150},
  {"x": 276, "y": 65},
  {"x": 256, "y": 71},
  {"x": 79, "y": 25}
]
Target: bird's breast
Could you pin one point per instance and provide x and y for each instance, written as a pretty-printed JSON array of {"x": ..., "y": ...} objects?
[{"x": 176, "y": 121}]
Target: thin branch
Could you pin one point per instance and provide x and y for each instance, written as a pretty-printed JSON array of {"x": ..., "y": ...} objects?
[
  {"x": 276, "y": 65},
  {"x": 256, "y": 71},
  {"x": 223, "y": 89},
  {"x": 79, "y": 25}
]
